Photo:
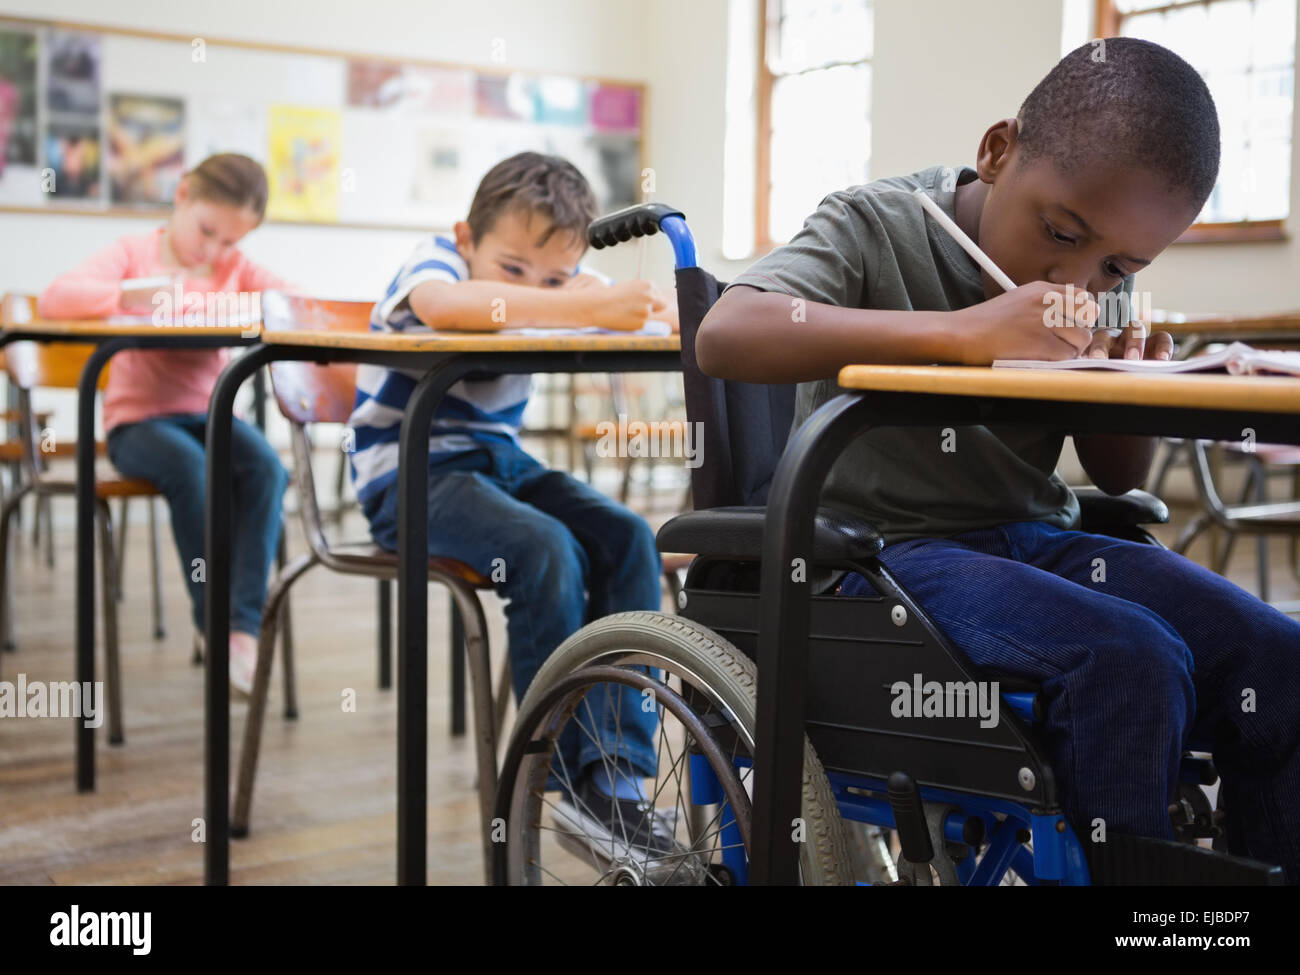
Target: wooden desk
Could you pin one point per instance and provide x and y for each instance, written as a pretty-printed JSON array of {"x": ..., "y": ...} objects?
[
  {"x": 110, "y": 339},
  {"x": 1188, "y": 406},
  {"x": 1194, "y": 332},
  {"x": 448, "y": 358}
]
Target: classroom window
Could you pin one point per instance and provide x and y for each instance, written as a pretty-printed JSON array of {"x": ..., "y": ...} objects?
[
  {"x": 813, "y": 108},
  {"x": 1245, "y": 51}
]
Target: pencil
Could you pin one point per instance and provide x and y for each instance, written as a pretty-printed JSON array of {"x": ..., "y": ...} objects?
[{"x": 971, "y": 248}]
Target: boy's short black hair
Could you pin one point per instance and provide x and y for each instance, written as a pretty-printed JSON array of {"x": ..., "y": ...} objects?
[
  {"x": 532, "y": 182},
  {"x": 1129, "y": 101}
]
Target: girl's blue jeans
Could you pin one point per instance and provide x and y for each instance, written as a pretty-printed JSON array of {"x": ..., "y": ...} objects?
[
  {"x": 1140, "y": 653},
  {"x": 562, "y": 554},
  {"x": 168, "y": 452}
]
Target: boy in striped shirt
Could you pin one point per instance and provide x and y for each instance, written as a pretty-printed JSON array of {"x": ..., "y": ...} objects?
[{"x": 570, "y": 553}]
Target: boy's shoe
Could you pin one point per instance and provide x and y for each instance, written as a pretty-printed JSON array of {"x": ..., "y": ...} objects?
[{"x": 615, "y": 830}]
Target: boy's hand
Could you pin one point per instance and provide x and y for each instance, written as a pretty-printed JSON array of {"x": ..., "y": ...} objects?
[
  {"x": 624, "y": 306},
  {"x": 583, "y": 280},
  {"x": 1035, "y": 321},
  {"x": 1136, "y": 342}
]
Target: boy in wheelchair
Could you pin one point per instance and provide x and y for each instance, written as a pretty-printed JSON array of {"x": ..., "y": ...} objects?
[{"x": 1139, "y": 652}]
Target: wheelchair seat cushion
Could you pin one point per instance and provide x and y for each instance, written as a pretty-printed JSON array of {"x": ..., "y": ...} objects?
[{"x": 737, "y": 533}]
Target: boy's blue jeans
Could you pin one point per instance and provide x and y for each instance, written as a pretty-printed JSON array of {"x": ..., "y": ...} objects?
[
  {"x": 569, "y": 555},
  {"x": 168, "y": 452},
  {"x": 1140, "y": 652}
]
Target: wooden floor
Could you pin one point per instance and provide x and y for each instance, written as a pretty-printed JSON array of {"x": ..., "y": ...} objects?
[{"x": 324, "y": 809}]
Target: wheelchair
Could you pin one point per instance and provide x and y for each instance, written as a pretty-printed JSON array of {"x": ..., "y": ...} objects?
[{"x": 885, "y": 799}]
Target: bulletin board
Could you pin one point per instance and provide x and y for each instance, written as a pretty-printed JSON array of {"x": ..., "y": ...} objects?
[{"x": 97, "y": 120}]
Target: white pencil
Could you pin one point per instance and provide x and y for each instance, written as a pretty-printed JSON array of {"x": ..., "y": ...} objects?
[
  {"x": 968, "y": 245},
  {"x": 971, "y": 248}
]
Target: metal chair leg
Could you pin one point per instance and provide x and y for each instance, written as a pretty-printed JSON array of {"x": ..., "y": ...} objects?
[
  {"x": 159, "y": 629},
  {"x": 12, "y": 505},
  {"x": 485, "y": 738},
  {"x": 286, "y": 641},
  {"x": 502, "y": 703},
  {"x": 121, "y": 545},
  {"x": 1261, "y": 540},
  {"x": 48, "y": 522},
  {"x": 385, "y": 634},
  {"x": 108, "y": 565},
  {"x": 249, "y": 752},
  {"x": 457, "y": 646}
]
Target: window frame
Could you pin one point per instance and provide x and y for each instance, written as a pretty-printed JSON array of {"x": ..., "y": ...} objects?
[
  {"x": 1108, "y": 20},
  {"x": 763, "y": 242}
]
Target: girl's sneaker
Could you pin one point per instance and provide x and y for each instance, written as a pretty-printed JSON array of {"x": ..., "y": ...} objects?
[{"x": 243, "y": 663}]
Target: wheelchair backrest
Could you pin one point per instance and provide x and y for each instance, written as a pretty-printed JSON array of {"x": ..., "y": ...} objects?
[{"x": 745, "y": 425}]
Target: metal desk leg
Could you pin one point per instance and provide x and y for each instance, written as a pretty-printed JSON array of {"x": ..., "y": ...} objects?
[
  {"x": 412, "y": 625},
  {"x": 217, "y": 610},
  {"x": 87, "y": 388},
  {"x": 784, "y": 610}
]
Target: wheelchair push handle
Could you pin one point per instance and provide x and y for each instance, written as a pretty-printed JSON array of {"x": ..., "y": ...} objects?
[{"x": 645, "y": 220}]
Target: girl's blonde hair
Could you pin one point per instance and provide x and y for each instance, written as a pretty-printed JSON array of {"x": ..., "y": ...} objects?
[{"x": 232, "y": 179}]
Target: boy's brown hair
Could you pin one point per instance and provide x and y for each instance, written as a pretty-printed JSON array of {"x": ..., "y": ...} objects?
[
  {"x": 531, "y": 182},
  {"x": 231, "y": 179}
]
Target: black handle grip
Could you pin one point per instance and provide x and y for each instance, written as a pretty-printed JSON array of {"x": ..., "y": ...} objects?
[
  {"x": 641, "y": 220},
  {"x": 909, "y": 818}
]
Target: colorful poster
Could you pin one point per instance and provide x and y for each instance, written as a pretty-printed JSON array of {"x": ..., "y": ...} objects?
[
  {"x": 374, "y": 84},
  {"x": 438, "y": 91},
  {"x": 73, "y": 160},
  {"x": 503, "y": 96},
  {"x": 615, "y": 108},
  {"x": 72, "y": 72},
  {"x": 17, "y": 99},
  {"x": 303, "y": 168},
  {"x": 560, "y": 101},
  {"x": 146, "y": 149}
]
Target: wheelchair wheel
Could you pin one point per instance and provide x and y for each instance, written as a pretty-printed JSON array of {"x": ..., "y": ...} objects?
[{"x": 695, "y": 828}]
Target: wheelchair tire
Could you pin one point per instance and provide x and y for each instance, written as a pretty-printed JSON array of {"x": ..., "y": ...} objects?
[{"x": 716, "y": 687}]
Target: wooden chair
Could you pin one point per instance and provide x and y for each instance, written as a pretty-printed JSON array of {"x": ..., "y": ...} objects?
[
  {"x": 58, "y": 365},
  {"x": 308, "y": 393}
]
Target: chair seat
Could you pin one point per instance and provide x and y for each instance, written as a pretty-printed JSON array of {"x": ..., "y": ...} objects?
[
  {"x": 11, "y": 451},
  {"x": 366, "y": 557},
  {"x": 1280, "y": 516},
  {"x": 1099, "y": 510},
  {"x": 737, "y": 533},
  {"x": 108, "y": 484}
]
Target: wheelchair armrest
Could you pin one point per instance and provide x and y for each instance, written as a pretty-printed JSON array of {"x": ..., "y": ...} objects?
[
  {"x": 1099, "y": 510},
  {"x": 737, "y": 533}
]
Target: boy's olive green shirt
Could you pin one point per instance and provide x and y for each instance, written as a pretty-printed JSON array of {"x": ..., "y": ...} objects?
[{"x": 872, "y": 246}]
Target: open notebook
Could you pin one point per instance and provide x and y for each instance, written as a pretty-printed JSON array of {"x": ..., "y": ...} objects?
[
  {"x": 651, "y": 327},
  {"x": 1236, "y": 359}
]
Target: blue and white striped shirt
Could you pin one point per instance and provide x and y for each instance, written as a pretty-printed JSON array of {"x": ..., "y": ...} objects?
[{"x": 473, "y": 411}]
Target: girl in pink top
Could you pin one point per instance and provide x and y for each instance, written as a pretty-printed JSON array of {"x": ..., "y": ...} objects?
[{"x": 156, "y": 402}]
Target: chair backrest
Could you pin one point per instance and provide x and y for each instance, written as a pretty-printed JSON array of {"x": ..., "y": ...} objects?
[
  {"x": 51, "y": 365},
  {"x": 307, "y": 392},
  {"x": 745, "y": 425},
  {"x": 55, "y": 365}
]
